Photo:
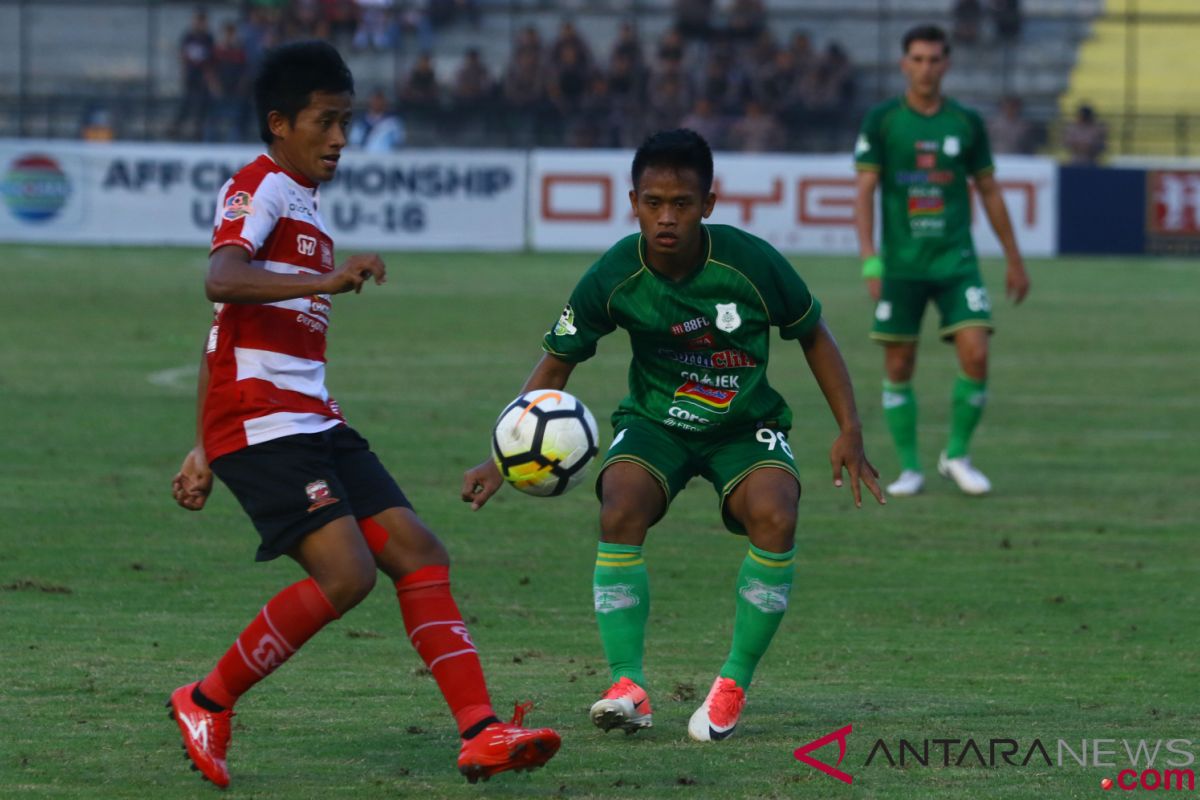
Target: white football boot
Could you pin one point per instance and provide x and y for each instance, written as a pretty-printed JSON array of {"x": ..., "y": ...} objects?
[
  {"x": 970, "y": 480},
  {"x": 717, "y": 716},
  {"x": 909, "y": 483}
]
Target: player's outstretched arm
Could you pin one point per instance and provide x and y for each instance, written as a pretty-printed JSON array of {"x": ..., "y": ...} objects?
[
  {"x": 231, "y": 278},
  {"x": 865, "y": 183},
  {"x": 825, "y": 361},
  {"x": 193, "y": 483},
  {"x": 483, "y": 480},
  {"x": 1016, "y": 279}
]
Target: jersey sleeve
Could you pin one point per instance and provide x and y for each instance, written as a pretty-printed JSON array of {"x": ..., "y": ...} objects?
[
  {"x": 247, "y": 211},
  {"x": 868, "y": 148},
  {"x": 789, "y": 302},
  {"x": 979, "y": 155},
  {"x": 583, "y": 321}
]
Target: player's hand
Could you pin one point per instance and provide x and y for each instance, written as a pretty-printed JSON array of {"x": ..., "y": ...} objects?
[
  {"x": 1016, "y": 281},
  {"x": 193, "y": 483},
  {"x": 355, "y": 271},
  {"x": 847, "y": 453},
  {"x": 480, "y": 483},
  {"x": 874, "y": 288}
]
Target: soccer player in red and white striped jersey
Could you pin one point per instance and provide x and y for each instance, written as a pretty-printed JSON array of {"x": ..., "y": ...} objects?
[{"x": 268, "y": 428}]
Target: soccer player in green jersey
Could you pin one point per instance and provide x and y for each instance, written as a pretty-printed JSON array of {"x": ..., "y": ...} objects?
[
  {"x": 921, "y": 149},
  {"x": 698, "y": 302}
]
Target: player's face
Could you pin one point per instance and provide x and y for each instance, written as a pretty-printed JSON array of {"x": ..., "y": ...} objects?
[
  {"x": 670, "y": 206},
  {"x": 924, "y": 65},
  {"x": 312, "y": 144}
]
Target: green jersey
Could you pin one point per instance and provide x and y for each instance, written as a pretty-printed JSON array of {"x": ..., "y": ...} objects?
[
  {"x": 700, "y": 345},
  {"x": 924, "y": 162}
]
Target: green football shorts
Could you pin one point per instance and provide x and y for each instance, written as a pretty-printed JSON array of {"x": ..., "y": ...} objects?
[
  {"x": 962, "y": 301},
  {"x": 673, "y": 459}
]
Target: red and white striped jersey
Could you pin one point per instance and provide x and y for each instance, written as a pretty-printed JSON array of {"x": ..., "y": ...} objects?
[{"x": 266, "y": 361}]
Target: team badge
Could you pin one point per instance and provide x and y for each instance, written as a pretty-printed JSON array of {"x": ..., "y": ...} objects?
[
  {"x": 614, "y": 597},
  {"x": 767, "y": 599},
  {"x": 305, "y": 245},
  {"x": 883, "y": 311},
  {"x": 952, "y": 146},
  {"x": 237, "y": 205},
  {"x": 727, "y": 317},
  {"x": 319, "y": 495},
  {"x": 566, "y": 323},
  {"x": 862, "y": 145}
]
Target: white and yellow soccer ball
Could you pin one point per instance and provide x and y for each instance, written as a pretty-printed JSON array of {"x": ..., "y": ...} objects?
[{"x": 544, "y": 441}]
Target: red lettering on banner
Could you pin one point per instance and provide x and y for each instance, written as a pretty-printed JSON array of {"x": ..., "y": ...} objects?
[
  {"x": 1173, "y": 201},
  {"x": 825, "y": 201},
  {"x": 747, "y": 202},
  {"x": 602, "y": 183}
]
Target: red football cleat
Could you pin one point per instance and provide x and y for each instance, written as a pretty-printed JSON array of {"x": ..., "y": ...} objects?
[
  {"x": 502, "y": 746},
  {"x": 205, "y": 734}
]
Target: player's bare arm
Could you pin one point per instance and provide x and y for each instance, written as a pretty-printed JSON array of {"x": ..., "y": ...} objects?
[
  {"x": 232, "y": 279},
  {"x": 1016, "y": 279},
  {"x": 482, "y": 481},
  {"x": 865, "y": 184},
  {"x": 847, "y": 453},
  {"x": 193, "y": 483}
]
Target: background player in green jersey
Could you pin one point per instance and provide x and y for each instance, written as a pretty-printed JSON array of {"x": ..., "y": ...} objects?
[
  {"x": 698, "y": 302},
  {"x": 921, "y": 149}
]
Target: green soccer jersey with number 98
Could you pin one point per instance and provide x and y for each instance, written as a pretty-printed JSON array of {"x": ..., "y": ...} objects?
[
  {"x": 923, "y": 164},
  {"x": 700, "y": 345}
]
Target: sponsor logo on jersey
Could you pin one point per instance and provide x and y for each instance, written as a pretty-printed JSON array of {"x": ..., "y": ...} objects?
[
  {"x": 722, "y": 359},
  {"x": 691, "y": 326},
  {"x": 319, "y": 495},
  {"x": 566, "y": 323},
  {"x": 306, "y": 245},
  {"x": 926, "y": 145},
  {"x": 952, "y": 146},
  {"x": 614, "y": 597},
  {"x": 921, "y": 205},
  {"x": 326, "y": 255},
  {"x": 920, "y": 177},
  {"x": 705, "y": 342},
  {"x": 926, "y": 160},
  {"x": 728, "y": 319},
  {"x": 704, "y": 396},
  {"x": 237, "y": 205},
  {"x": 767, "y": 599}
]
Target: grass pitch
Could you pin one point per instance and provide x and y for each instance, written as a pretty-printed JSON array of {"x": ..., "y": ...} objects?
[{"x": 1062, "y": 607}]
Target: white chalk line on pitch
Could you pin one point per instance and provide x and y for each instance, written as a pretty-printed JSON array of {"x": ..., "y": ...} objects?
[{"x": 175, "y": 378}]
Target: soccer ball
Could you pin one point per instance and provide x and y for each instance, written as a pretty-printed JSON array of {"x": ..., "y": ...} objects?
[{"x": 544, "y": 441}]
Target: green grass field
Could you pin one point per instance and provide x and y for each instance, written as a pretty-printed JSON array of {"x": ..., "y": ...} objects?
[{"x": 1064, "y": 606}]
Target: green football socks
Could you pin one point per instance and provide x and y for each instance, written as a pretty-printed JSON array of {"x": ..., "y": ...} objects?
[
  {"x": 900, "y": 413},
  {"x": 966, "y": 407},
  {"x": 763, "y": 585},
  {"x": 621, "y": 590}
]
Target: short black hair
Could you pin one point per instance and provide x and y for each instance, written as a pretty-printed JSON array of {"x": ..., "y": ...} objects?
[
  {"x": 678, "y": 149},
  {"x": 288, "y": 76},
  {"x": 926, "y": 33}
]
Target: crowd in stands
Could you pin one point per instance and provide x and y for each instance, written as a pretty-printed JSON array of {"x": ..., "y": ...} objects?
[{"x": 728, "y": 76}]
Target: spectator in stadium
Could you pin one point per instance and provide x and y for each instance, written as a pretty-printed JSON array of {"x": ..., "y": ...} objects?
[
  {"x": 523, "y": 94},
  {"x": 968, "y": 20},
  {"x": 628, "y": 44},
  {"x": 1006, "y": 18},
  {"x": 803, "y": 53},
  {"x": 97, "y": 125},
  {"x": 377, "y": 25},
  {"x": 529, "y": 38},
  {"x": 672, "y": 102},
  {"x": 627, "y": 88},
  {"x": 232, "y": 107},
  {"x": 758, "y": 131},
  {"x": 1086, "y": 138},
  {"x": 421, "y": 98},
  {"x": 723, "y": 81},
  {"x": 1009, "y": 131},
  {"x": 693, "y": 20},
  {"x": 828, "y": 93},
  {"x": 570, "y": 47},
  {"x": 472, "y": 97},
  {"x": 667, "y": 430},
  {"x": 670, "y": 53},
  {"x": 595, "y": 124},
  {"x": 922, "y": 151},
  {"x": 747, "y": 19},
  {"x": 378, "y": 129},
  {"x": 704, "y": 120},
  {"x": 196, "y": 65},
  {"x": 567, "y": 84},
  {"x": 267, "y": 427},
  {"x": 341, "y": 19}
]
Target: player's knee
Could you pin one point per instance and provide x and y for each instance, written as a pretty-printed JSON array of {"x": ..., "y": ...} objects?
[
  {"x": 974, "y": 362},
  {"x": 623, "y": 523},
  {"x": 772, "y": 527},
  {"x": 348, "y": 586}
]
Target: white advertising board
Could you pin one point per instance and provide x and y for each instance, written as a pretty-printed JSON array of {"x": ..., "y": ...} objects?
[
  {"x": 578, "y": 200},
  {"x": 78, "y": 192}
]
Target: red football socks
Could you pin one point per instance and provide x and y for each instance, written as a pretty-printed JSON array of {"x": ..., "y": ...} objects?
[
  {"x": 440, "y": 637},
  {"x": 286, "y": 622}
]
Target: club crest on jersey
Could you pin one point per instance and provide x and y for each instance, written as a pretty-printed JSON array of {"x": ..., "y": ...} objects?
[
  {"x": 952, "y": 146},
  {"x": 728, "y": 319},
  {"x": 767, "y": 599},
  {"x": 566, "y": 323},
  {"x": 237, "y": 205},
  {"x": 306, "y": 245},
  {"x": 319, "y": 495},
  {"x": 614, "y": 597}
]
